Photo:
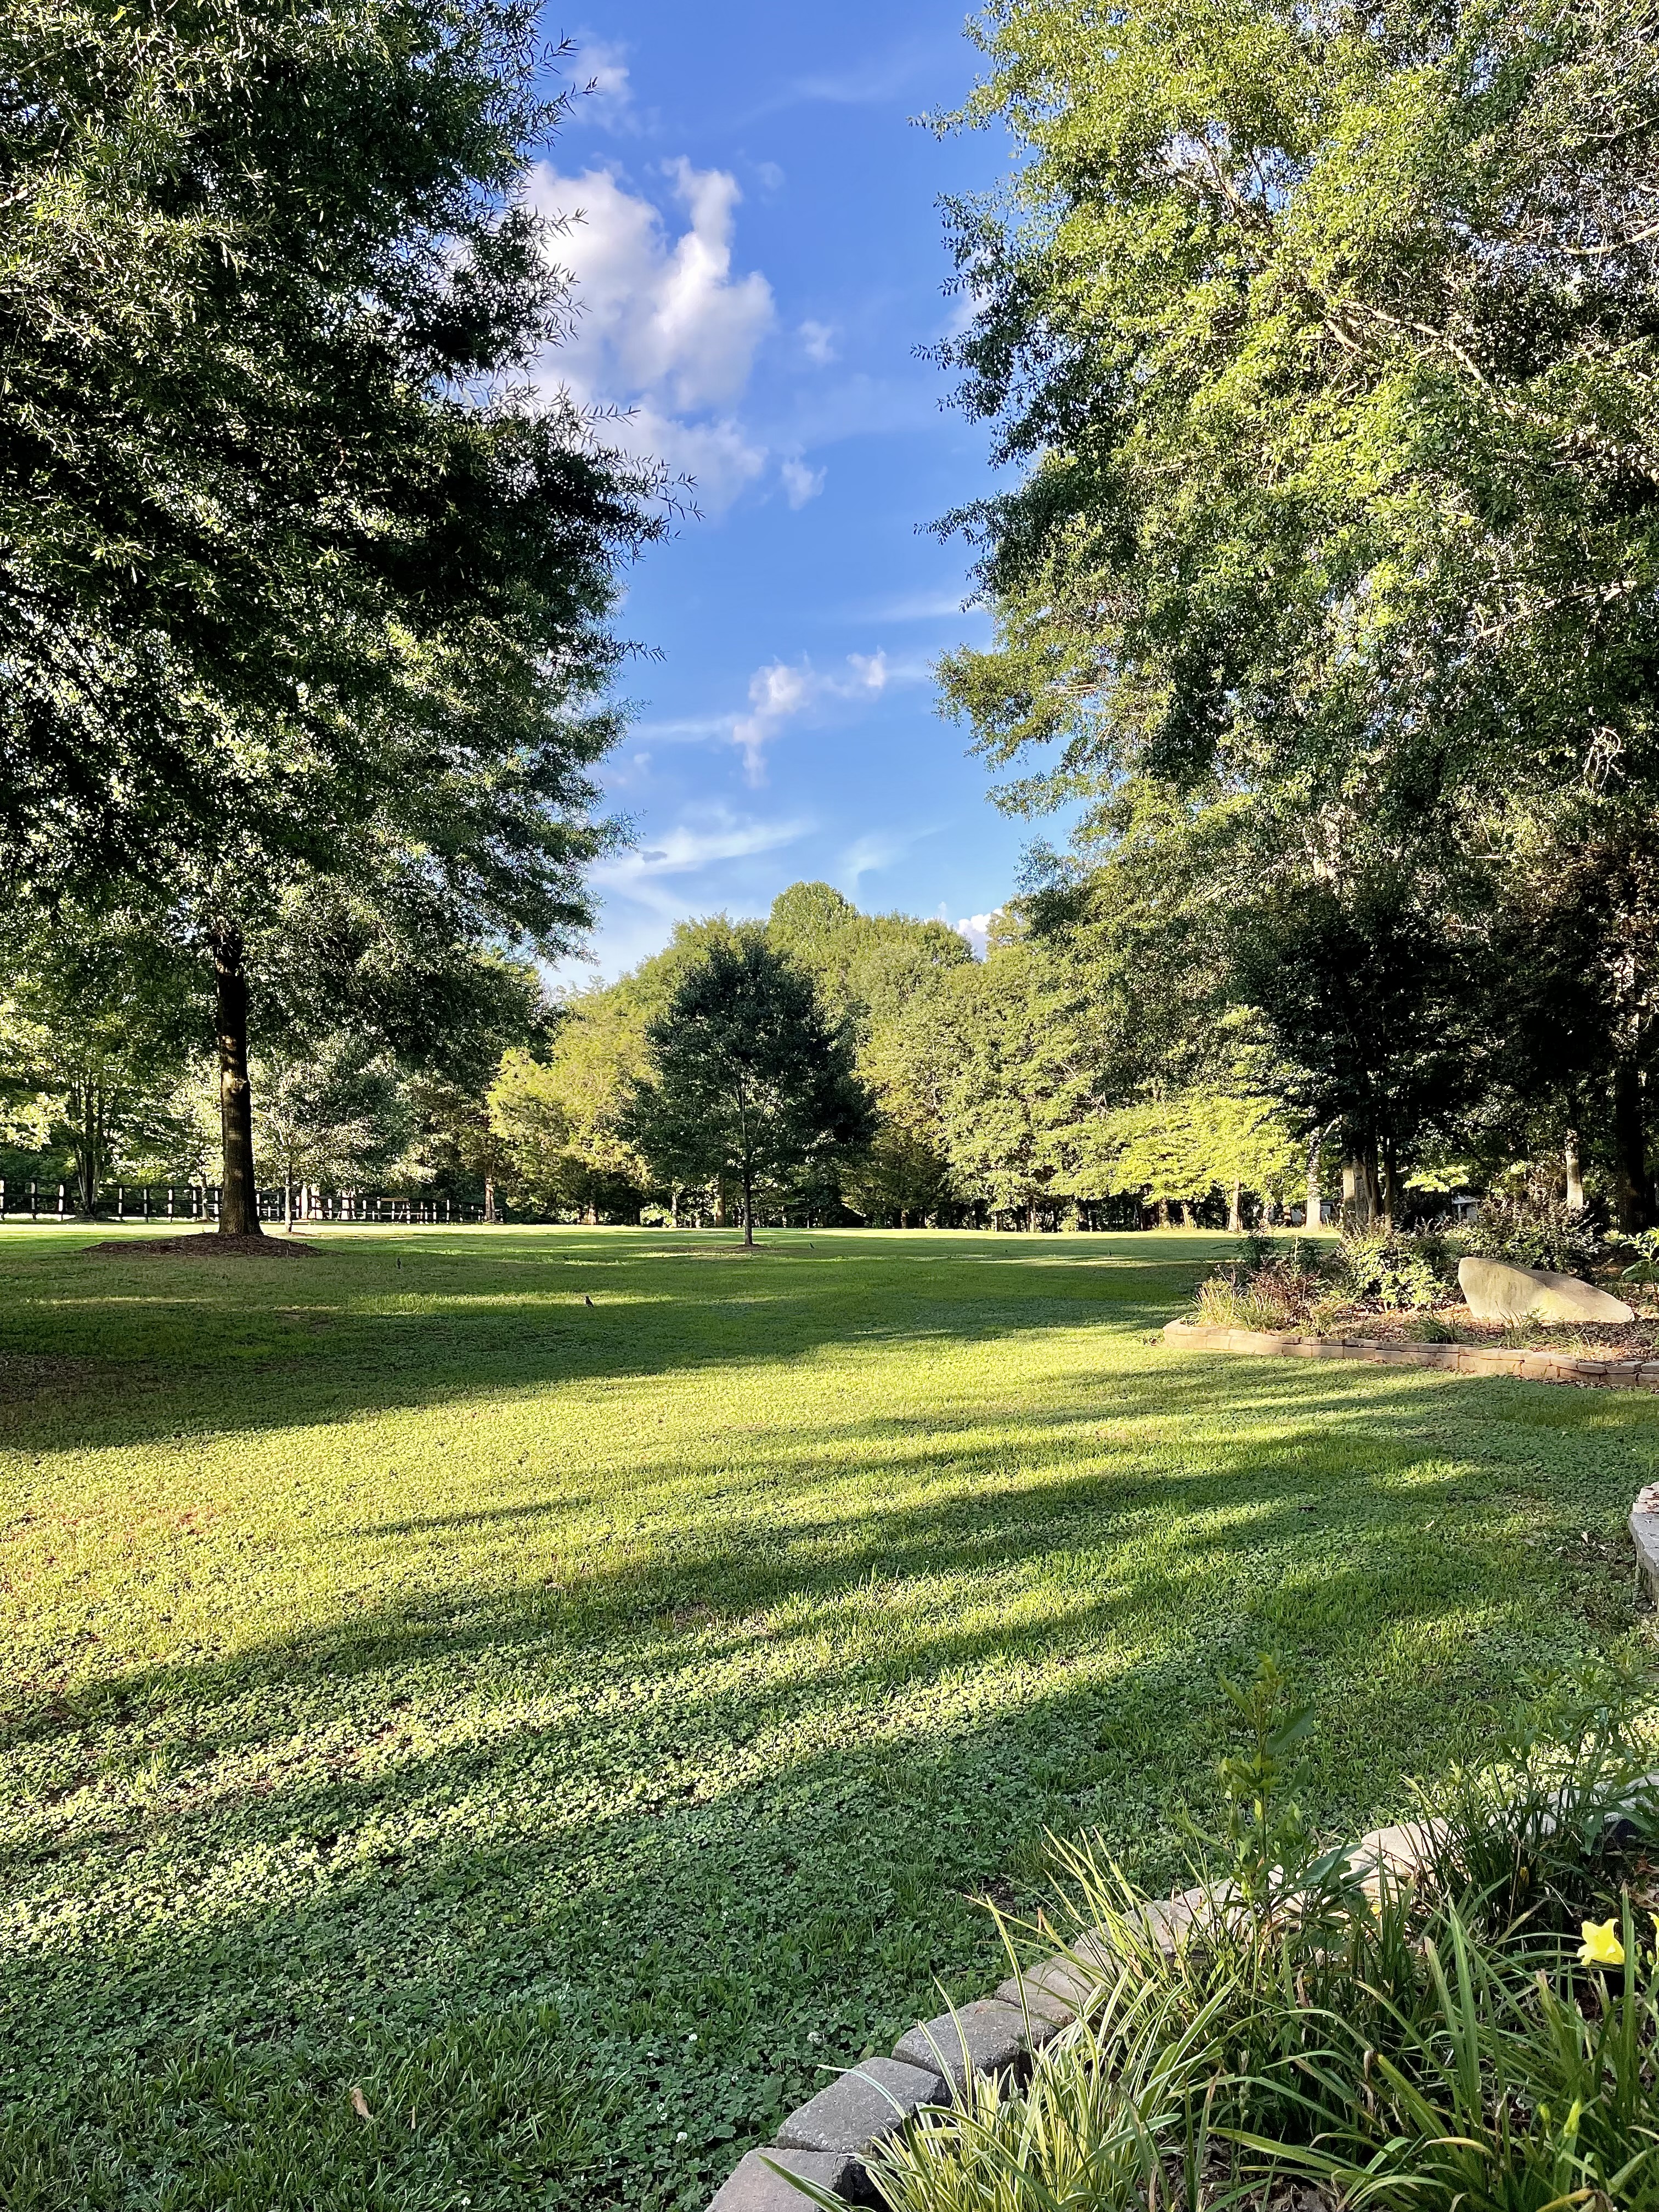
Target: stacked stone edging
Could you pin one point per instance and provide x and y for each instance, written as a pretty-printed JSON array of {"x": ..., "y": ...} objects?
[
  {"x": 824, "y": 2141},
  {"x": 1450, "y": 1359}
]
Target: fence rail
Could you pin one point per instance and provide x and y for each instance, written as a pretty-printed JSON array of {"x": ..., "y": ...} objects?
[{"x": 166, "y": 1202}]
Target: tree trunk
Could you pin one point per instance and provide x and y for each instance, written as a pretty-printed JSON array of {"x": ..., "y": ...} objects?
[
  {"x": 1164, "y": 1213},
  {"x": 1314, "y": 1204},
  {"x": 1187, "y": 1220},
  {"x": 1235, "y": 1210},
  {"x": 1575, "y": 1173},
  {"x": 489, "y": 1198},
  {"x": 288, "y": 1206},
  {"x": 748, "y": 1207},
  {"x": 1632, "y": 1195},
  {"x": 1394, "y": 1197},
  {"x": 1360, "y": 1191},
  {"x": 239, "y": 1212}
]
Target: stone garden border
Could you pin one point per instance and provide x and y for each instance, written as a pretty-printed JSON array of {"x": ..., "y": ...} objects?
[
  {"x": 1449, "y": 1358},
  {"x": 825, "y": 2140}
]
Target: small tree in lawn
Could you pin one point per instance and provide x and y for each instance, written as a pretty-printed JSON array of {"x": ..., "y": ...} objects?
[
  {"x": 752, "y": 1083},
  {"x": 328, "y": 1114}
]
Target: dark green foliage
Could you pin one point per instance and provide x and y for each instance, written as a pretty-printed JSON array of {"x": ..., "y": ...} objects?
[
  {"x": 1323, "y": 347},
  {"x": 752, "y": 1083},
  {"x": 277, "y": 583},
  {"x": 1531, "y": 1232}
]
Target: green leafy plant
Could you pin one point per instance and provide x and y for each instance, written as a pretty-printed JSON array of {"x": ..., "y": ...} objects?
[
  {"x": 1395, "y": 1269},
  {"x": 1528, "y": 1834},
  {"x": 1533, "y": 1231},
  {"x": 1644, "y": 1246}
]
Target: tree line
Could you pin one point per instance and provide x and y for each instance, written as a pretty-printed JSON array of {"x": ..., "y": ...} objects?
[
  {"x": 1319, "y": 354},
  {"x": 1319, "y": 348}
]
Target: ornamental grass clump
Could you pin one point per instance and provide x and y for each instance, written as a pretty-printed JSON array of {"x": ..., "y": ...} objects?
[
  {"x": 1268, "y": 1286},
  {"x": 1462, "y": 2042}
]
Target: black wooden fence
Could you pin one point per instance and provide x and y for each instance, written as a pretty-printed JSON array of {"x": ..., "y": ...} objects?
[{"x": 181, "y": 1202}]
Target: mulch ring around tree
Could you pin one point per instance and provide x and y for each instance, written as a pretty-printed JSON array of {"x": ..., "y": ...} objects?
[{"x": 202, "y": 1244}]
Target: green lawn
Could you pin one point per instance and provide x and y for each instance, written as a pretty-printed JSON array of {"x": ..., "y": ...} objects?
[{"x": 575, "y": 1724}]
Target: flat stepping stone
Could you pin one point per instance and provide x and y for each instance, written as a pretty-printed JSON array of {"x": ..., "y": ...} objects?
[{"x": 871, "y": 2099}]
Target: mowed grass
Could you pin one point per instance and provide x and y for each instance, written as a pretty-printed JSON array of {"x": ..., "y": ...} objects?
[{"x": 571, "y": 1726}]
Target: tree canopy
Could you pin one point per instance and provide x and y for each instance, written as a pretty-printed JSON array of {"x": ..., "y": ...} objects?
[
  {"x": 749, "y": 1081},
  {"x": 1322, "y": 347},
  {"x": 299, "y": 581}
]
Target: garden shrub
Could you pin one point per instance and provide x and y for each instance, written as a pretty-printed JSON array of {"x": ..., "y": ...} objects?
[
  {"x": 1533, "y": 1231},
  {"x": 1395, "y": 1269}
]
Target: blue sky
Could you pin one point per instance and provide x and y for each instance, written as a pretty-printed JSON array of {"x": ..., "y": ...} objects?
[{"x": 759, "y": 256}]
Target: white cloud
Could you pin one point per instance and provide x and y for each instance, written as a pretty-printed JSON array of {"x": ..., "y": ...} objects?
[
  {"x": 818, "y": 341},
  {"x": 599, "y": 73},
  {"x": 872, "y": 853},
  {"x": 976, "y": 928},
  {"x": 919, "y": 606},
  {"x": 657, "y": 317},
  {"x": 800, "y": 484},
  {"x": 710, "y": 859},
  {"x": 701, "y": 842},
  {"x": 782, "y": 691},
  {"x": 664, "y": 328}
]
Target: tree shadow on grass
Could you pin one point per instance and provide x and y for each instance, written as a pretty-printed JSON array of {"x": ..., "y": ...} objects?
[
  {"x": 734, "y": 1785},
  {"x": 786, "y": 1848}
]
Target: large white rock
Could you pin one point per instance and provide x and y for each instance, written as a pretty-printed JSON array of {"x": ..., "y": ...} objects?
[{"x": 1496, "y": 1291}]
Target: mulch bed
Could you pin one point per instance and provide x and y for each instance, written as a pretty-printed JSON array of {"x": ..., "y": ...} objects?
[
  {"x": 204, "y": 1244},
  {"x": 1636, "y": 1340}
]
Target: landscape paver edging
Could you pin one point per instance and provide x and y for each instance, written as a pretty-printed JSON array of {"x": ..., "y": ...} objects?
[
  {"x": 823, "y": 2140},
  {"x": 1451, "y": 1358},
  {"x": 997, "y": 2034}
]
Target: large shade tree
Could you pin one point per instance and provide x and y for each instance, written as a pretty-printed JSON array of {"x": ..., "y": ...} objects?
[
  {"x": 1324, "y": 345},
  {"x": 299, "y": 580}
]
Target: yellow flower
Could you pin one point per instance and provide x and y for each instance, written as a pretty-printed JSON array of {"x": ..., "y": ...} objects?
[{"x": 1601, "y": 1947}]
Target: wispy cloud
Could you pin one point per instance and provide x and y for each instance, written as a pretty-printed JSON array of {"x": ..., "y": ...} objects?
[
  {"x": 600, "y": 76},
  {"x": 885, "y": 77},
  {"x": 651, "y": 874},
  {"x": 918, "y": 606},
  {"x": 800, "y": 484},
  {"x": 783, "y": 691},
  {"x": 870, "y": 856}
]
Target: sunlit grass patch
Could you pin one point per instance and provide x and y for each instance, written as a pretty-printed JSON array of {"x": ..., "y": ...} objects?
[{"x": 404, "y": 1650}]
